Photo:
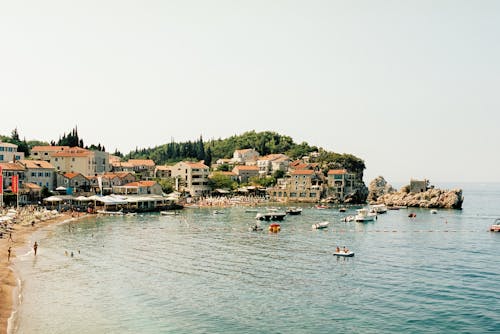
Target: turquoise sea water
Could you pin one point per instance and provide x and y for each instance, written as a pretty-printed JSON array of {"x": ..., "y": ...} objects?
[{"x": 205, "y": 273}]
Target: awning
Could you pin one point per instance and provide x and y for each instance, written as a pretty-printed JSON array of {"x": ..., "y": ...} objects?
[{"x": 53, "y": 199}]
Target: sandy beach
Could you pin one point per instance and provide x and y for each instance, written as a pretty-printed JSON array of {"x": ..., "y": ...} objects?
[{"x": 20, "y": 235}]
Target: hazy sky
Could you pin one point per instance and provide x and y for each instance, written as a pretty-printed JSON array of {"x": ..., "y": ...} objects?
[{"x": 411, "y": 87}]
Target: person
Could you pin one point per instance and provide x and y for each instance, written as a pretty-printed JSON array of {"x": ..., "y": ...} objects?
[
  {"x": 338, "y": 249},
  {"x": 9, "y": 250},
  {"x": 10, "y": 237},
  {"x": 35, "y": 247}
]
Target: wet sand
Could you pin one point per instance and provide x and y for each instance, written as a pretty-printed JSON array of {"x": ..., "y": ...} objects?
[{"x": 8, "y": 279}]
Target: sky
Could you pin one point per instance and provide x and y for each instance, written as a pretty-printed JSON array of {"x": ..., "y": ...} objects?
[{"x": 410, "y": 87}]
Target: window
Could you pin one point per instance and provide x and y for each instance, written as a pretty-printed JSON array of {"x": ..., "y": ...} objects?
[
  {"x": 2, "y": 149},
  {"x": 1, "y": 156},
  {"x": 33, "y": 174}
]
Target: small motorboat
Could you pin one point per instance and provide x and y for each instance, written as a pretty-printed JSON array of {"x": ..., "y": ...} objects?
[
  {"x": 169, "y": 213},
  {"x": 342, "y": 209},
  {"x": 218, "y": 212},
  {"x": 434, "y": 211},
  {"x": 321, "y": 207},
  {"x": 293, "y": 211},
  {"x": 344, "y": 254},
  {"x": 412, "y": 215},
  {"x": 319, "y": 226},
  {"x": 348, "y": 219}
]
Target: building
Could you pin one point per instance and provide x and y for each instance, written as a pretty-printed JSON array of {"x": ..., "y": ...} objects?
[
  {"x": 8, "y": 152},
  {"x": 163, "y": 172},
  {"x": 417, "y": 186},
  {"x": 300, "y": 186},
  {"x": 244, "y": 173},
  {"x": 80, "y": 160},
  {"x": 340, "y": 183},
  {"x": 45, "y": 152},
  {"x": 10, "y": 169},
  {"x": 73, "y": 182},
  {"x": 271, "y": 163},
  {"x": 104, "y": 183},
  {"x": 243, "y": 156},
  {"x": 139, "y": 188},
  {"x": 39, "y": 172},
  {"x": 191, "y": 177}
]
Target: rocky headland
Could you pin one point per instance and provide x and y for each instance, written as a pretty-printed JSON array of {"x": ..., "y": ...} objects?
[{"x": 429, "y": 197}]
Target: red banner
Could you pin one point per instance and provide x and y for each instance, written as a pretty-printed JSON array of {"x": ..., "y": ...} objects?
[
  {"x": 15, "y": 183},
  {"x": 1, "y": 180}
]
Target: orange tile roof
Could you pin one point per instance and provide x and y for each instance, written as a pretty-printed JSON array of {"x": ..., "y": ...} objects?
[
  {"x": 196, "y": 165},
  {"x": 72, "y": 175},
  {"x": 73, "y": 152},
  {"x": 337, "y": 171},
  {"x": 31, "y": 186},
  {"x": 302, "y": 172},
  {"x": 11, "y": 166},
  {"x": 247, "y": 168},
  {"x": 46, "y": 148},
  {"x": 142, "y": 162},
  {"x": 141, "y": 184},
  {"x": 32, "y": 164}
]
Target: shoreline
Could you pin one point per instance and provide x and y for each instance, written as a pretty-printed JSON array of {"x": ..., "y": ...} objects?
[{"x": 9, "y": 277}]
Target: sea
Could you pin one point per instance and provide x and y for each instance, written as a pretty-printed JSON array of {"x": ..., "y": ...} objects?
[{"x": 200, "y": 272}]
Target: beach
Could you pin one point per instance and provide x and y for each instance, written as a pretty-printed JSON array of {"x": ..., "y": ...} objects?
[{"x": 21, "y": 233}]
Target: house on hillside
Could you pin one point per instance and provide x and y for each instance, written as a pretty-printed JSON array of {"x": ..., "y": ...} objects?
[
  {"x": 245, "y": 155},
  {"x": 300, "y": 186},
  {"x": 244, "y": 173},
  {"x": 139, "y": 188}
]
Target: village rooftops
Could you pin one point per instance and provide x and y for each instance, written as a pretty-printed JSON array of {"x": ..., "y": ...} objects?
[
  {"x": 49, "y": 148},
  {"x": 72, "y": 175},
  {"x": 141, "y": 162},
  {"x": 11, "y": 166},
  {"x": 246, "y": 168},
  {"x": 75, "y": 152},
  {"x": 36, "y": 164},
  {"x": 337, "y": 171},
  {"x": 198, "y": 165},
  {"x": 302, "y": 172},
  {"x": 141, "y": 184}
]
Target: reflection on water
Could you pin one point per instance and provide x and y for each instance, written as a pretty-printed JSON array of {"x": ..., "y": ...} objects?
[{"x": 198, "y": 273}]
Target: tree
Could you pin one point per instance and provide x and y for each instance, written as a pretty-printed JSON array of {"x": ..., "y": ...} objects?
[{"x": 221, "y": 181}]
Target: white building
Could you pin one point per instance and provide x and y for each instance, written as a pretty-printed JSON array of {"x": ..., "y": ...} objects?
[{"x": 8, "y": 152}]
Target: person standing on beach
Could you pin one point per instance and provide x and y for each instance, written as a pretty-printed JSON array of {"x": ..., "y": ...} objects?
[
  {"x": 9, "y": 250},
  {"x": 35, "y": 247}
]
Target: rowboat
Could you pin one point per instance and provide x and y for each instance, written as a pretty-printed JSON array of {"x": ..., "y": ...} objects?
[{"x": 321, "y": 225}]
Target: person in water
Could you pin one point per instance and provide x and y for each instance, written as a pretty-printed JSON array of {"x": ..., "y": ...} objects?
[
  {"x": 338, "y": 249},
  {"x": 35, "y": 247}
]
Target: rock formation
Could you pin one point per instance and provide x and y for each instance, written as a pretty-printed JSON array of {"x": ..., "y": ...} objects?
[
  {"x": 432, "y": 198},
  {"x": 377, "y": 188}
]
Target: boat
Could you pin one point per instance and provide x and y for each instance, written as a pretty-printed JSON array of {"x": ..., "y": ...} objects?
[
  {"x": 169, "y": 213},
  {"x": 496, "y": 226},
  {"x": 274, "y": 228},
  {"x": 365, "y": 216},
  {"x": 294, "y": 211},
  {"x": 349, "y": 219},
  {"x": 271, "y": 216},
  {"x": 342, "y": 209},
  {"x": 255, "y": 228},
  {"x": 110, "y": 213},
  {"x": 379, "y": 208},
  {"x": 218, "y": 212},
  {"x": 434, "y": 211},
  {"x": 412, "y": 215},
  {"x": 321, "y": 207},
  {"x": 319, "y": 226},
  {"x": 344, "y": 254}
]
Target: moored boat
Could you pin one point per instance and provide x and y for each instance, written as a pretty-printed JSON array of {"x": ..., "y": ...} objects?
[
  {"x": 319, "y": 226},
  {"x": 365, "y": 216},
  {"x": 294, "y": 211},
  {"x": 271, "y": 216},
  {"x": 379, "y": 208}
]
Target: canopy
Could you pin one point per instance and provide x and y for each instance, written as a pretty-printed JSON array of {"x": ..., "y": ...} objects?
[
  {"x": 53, "y": 199},
  {"x": 61, "y": 188},
  {"x": 82, "y": 199}
]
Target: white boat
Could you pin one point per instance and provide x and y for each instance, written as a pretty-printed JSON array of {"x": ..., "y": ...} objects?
[
  {"x": 110, "y": 213},
  {"x": 271, "y": 216},
  {"x": 169, "y": 213},
  {"x": 294, "y": 211},
  {"x": 434, "y": 211},
  {"x": 321, "y": 225},
  {"x": 379, "y": 208},
  {"x": 365, "y": 216},
  {"x": 496, "y": 226},
  {"x": 345, "y": 254},
  {"x": 218, "y": 212}
]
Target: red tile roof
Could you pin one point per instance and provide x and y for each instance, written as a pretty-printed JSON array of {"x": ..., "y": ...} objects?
[
  {"x": 337, "y": 171},
  {"x": 196, "y": 165},
  {"x": 72, "y": 175},
  {"x": 246, "y": 168},
  {"x": 141, "y": 184},
  {"x": 49, "y": 148},
  {"x": 11, "y": 166},
  {"x": 73, "y": 152},
  {"x": 142, "y": 162},
  {"x": 302, "y": 172},
  {"x": 32, "y": 164}
]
